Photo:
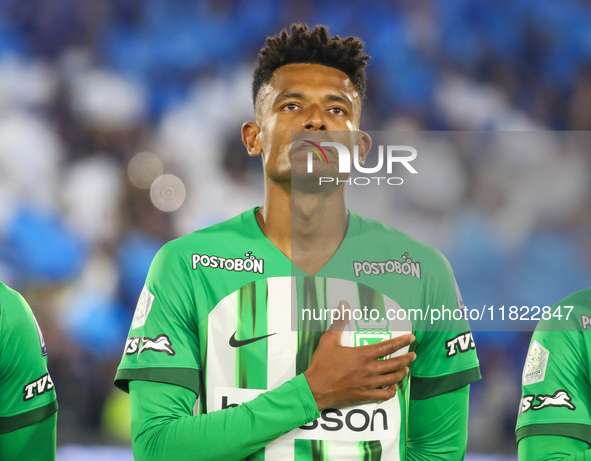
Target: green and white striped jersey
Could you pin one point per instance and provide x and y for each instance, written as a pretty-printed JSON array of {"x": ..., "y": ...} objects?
[{"x": 225, "y": 314}]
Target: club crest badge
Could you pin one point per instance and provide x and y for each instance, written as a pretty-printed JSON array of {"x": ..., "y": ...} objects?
[{"x": 371, "y": 332}]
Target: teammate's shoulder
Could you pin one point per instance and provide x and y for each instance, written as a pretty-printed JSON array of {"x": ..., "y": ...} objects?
[
  {"x": 571, "y": 314},
  {"x": 580, "y": 300},
  {"x": 14, "y": 309},
  {"x": 211, "y": 237},
  {"x": 389, "y": 237},
  {"x": 10, "y": 298}
]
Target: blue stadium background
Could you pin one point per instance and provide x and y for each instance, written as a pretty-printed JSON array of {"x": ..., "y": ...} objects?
[{"x": 87, "y": 85}]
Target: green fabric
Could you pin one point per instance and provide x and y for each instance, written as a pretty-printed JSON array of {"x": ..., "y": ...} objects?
[
  {"x": 557, "y": 401},
  {"x": 12, "y": 423},
  {"x": 185, "y": 377},
  {"x": 27, "y": 394},
  {"x": 424, "y": 388},
  {"x": 553, "y": 448},
  {"x": 438, "y": 427},
  {"x": 35, "y": 442},
  {"x": 581, "y": 432},
  {"x": 163, "y": 428},
  {"x": 232, "y": 327}
]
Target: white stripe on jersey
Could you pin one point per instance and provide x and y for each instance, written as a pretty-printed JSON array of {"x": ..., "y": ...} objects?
[
  {"x": 281, "y": 353},
  {"x": 221, "y": 357},
  {"x": 221, "y": 374},
  {"x": 282, "y": 347}
]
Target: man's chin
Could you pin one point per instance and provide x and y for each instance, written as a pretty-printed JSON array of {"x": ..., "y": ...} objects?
[{"x": 318, "y": 182}]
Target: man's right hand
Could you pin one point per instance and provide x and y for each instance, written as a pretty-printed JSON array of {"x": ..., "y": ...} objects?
[{"x": 340, "y": 376}]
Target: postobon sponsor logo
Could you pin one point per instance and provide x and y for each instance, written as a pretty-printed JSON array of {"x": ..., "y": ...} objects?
[
  {"x": 586, "y": 321},
  {"x": 39, "y": 386},
  {"x": 405, "y": 267},
  {"x": 248, "y": 264},
  {"x": 371, "y": 421}
]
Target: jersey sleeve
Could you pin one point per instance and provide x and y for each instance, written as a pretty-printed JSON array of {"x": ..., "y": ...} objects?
[
  {"x": 446, "y": 354},
  {"x": 438, "y": 428},
  {"x": 34, "y": 442},
  {"x": 27, "y": 392},
  {"x": 556, "y": 390},
  {"x": 162, "y": 344},
  {"x": 552, "y": 447}
]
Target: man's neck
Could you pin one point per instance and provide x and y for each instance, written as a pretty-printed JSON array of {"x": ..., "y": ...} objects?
[{"x": 307, "y": 228}]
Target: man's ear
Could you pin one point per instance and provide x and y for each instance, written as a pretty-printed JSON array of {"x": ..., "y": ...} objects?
[
  {"x": 250, "y": 138},
  {"x": 364, "y": 143}
]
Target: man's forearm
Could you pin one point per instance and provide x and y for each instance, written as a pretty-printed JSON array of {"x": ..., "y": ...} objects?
[
  {"x": 438, "y": 427},
  {"x": 164, "y": 430}
]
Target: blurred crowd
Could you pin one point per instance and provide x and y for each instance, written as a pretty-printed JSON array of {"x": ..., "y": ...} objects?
[{"x": 120, "y": 130}]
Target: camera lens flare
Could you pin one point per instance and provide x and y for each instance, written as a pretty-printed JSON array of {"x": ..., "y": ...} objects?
[
  {"x": 167, "y": 192},
  {"x": 143, "y": 169}
]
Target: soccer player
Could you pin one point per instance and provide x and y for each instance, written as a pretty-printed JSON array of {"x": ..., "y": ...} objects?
[
  {"x": 554, "y": 421},
  {"x": 28, "y": 405},
  {"x": 212, "y": 365}
]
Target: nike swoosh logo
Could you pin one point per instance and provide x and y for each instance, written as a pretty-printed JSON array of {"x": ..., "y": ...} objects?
[{"x": 235, "y": 343}]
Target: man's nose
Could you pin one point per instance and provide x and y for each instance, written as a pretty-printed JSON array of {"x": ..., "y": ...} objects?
[{"x": 315, "y": 120}]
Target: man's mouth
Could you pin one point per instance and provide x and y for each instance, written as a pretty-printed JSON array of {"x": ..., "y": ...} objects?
[{"x": 321, "y": 153}]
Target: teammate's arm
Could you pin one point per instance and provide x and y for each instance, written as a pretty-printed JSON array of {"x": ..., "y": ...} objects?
[
  {"x": 554, "y": 421},
  {"x": 553, "y": 448},
  {"x": 30, "y": 443},
  {"x": 438, "y": 427},
  {"x": 27, "y": 398}
]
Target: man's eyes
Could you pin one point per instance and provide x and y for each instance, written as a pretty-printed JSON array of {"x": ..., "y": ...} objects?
[
  {"x": 337, "y": 110},
  {"x": 291, "y": 106}
]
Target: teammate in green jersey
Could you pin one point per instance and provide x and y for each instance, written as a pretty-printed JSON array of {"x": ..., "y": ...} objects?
[
  {"x": 212, "y": 363},
  {"x": 554, "y": 421},
  {"x": 28, "y": 405}
]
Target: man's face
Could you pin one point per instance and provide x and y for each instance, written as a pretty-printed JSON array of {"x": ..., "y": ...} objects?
[{"x": 302, "y": 97}]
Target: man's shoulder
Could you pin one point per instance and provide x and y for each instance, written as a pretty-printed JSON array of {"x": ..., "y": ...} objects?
[
  {"x": 211, "y": 238},
  {"x": 391, "y": 238},
  {"x": 581, "y": 300}
]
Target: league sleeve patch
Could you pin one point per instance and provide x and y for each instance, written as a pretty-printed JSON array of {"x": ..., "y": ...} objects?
[
  {"x": 534, "y": 370},
  {"x": 41, "y": 339},
  {"x": 461, "y": 306},
  {"x": 142, "y": 309}
]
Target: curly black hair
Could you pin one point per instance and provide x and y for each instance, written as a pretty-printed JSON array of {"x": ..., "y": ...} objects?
[{"x": 314, "y": 46}]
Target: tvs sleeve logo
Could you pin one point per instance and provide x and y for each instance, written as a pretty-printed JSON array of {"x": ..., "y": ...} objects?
[
  {"x": 39, "y": 386},
  {"x": 461, "y": 343},
  {"x": 344, "y": 160}
]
